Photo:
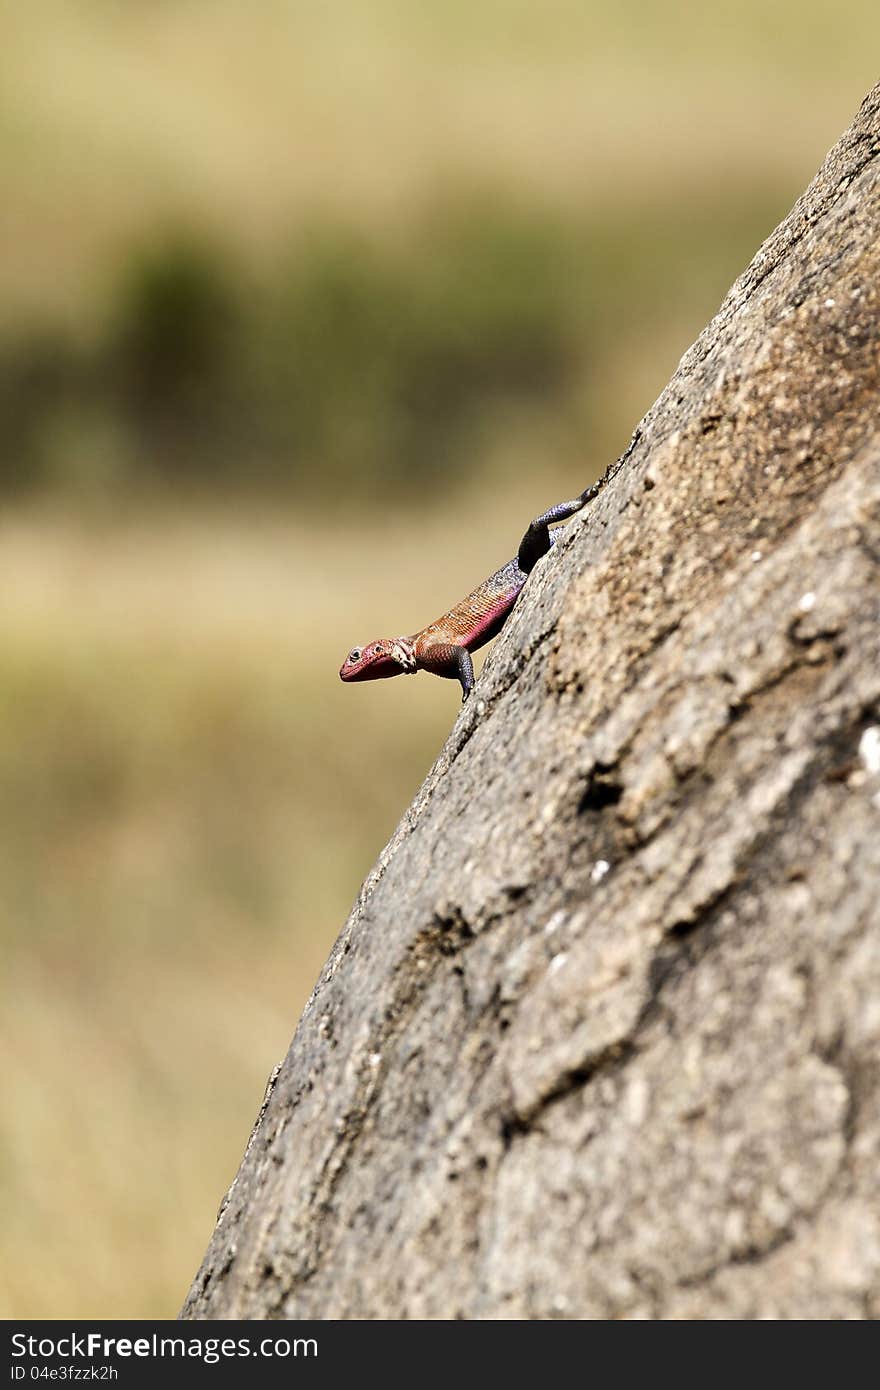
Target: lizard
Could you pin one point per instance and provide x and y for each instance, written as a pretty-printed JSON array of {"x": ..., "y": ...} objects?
[{"x": 444, "y": 647}]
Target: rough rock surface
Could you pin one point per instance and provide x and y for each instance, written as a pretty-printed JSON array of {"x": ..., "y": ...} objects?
[{"x": 601, "y": 1036}]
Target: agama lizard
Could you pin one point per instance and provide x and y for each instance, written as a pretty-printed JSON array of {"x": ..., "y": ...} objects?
[{"x": 444, "y": 647}]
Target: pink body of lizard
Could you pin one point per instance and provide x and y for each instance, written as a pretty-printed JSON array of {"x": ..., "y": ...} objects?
[{"x": 444, "y": 646}]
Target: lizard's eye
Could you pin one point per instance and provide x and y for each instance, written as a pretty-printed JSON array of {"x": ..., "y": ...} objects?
[{"x": 355, "y": 655}]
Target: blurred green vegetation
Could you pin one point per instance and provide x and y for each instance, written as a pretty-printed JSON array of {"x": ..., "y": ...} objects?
[
  {"x": 304, "y": 311},
  {"x": 358, "y": 365},
  {"x": 360, "y": 368}
]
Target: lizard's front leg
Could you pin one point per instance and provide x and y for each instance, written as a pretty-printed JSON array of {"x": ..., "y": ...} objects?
[
  {"x": 454, "y": 662},
  {"x": 536, "y": 541}
]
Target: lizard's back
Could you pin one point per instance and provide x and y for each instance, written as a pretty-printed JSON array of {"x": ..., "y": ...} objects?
[{"x": 479, "y": 617}]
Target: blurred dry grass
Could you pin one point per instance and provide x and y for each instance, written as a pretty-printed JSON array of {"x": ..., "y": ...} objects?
[
  {"x": 240, "y": 117},
  {"x": 188, "y": 796}
]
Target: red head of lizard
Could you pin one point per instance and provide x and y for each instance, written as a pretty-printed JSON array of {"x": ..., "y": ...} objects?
[{"x": 386, "y": 656}]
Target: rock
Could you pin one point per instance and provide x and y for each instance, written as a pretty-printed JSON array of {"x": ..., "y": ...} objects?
[{"x": 601, "y": 1037}]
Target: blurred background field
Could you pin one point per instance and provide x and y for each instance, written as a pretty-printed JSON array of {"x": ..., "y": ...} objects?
[{"x": 304, "y": 311}]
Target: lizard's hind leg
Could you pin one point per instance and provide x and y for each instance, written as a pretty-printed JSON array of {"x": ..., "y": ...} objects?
[{"x": 536, "y": 541}]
